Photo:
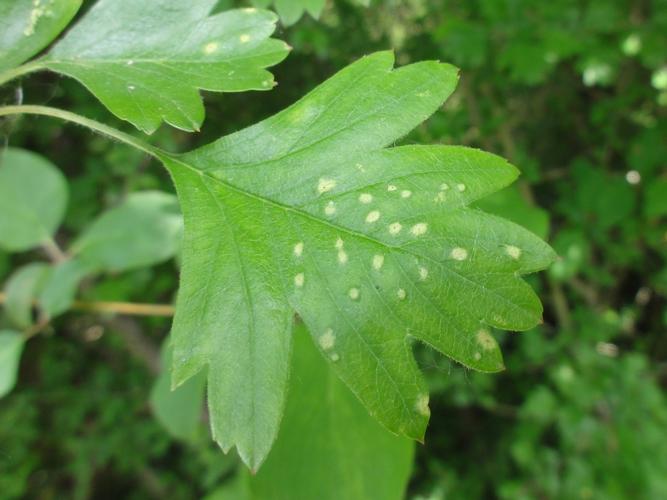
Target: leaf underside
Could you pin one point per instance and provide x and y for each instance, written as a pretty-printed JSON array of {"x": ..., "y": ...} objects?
[
  {"x": 309, "y": 212},
  {"x": 147, "y": 60}
]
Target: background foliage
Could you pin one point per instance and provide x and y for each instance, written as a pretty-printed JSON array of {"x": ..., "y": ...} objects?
[{"x": 574, "y": 93}]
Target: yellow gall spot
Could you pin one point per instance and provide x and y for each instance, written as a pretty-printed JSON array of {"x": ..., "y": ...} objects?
[
  {"x": 419, "y": 229},
  {"x": 365, "y": 198},
  {"x": 477, "y": 356},
  {"x": 423, "y": 273},
  {"x": 485, "y": 340},
  {"x": 512, "y": 251},
  {"x": 373, "y": 216},
  {"x": 327, "y": 339},
  {"x": 211, "y": 47},
  {"x": 395, "y": 228},
  {"x": 421, "y": 405},
  {"x": 330, "y": 208},
  {"x": 334, "y": 357},
  {"x": 378, "y": 261},
  {"x": 459, "y": 253},
  {"x": 460, "y": 187},
  {"x": 342, "y": 256},
  {"x": 444, "y": 186},
  {"x": 339, "y": 243},
  {"x": 401, "y": 294},
  {"x": 406, "y": 193},
  {"x": 298, "y": 249},
  {"x": 244, "y": 38},
  {"x": 325, "y": 185},
  {"x": 391, "y": 188},
  {"x": 353, "y": 293},
  {"x": 440, "y": 197},
  {"x": 299, "y": 280},
  {"x": 250, "y": 10}
]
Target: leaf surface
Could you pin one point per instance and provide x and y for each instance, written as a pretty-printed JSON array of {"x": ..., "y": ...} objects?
[
  {"x": 26, "y": 27},
  {"x": 310, "y": 212},
  {"x": 144, "y": 230},
  {"x": 290, "y": 11},
  {"x": 22, "y": 290},
  {"x": 33, "y": 198},
  {"x": 146, "y": 60},
  {"x": 11, "y": 347}
]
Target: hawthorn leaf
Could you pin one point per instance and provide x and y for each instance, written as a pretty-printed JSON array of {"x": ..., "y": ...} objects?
[
  {"x": 347, "y": 453},
  {"x": 290, "y": 11},
  {"x": 22, "y": 289},
  {"x": 372, "y": 246},
  {"x": 26, "y": 27},
  {"x": 144, "y": 230},
  {"x": 58, "y": 290},
  {"x": 179, "y": 411},
  {"x": 11, "y": 347},
  {"x": 147, "y": 60},
  {"x": 33, "y": 198}
]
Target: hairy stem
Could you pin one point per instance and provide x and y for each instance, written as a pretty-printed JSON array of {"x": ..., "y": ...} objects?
[
  {"x": 14, "y": 73},
  {"x": 93, "y": 125}
]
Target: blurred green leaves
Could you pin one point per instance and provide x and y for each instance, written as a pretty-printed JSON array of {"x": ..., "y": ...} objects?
[{"x": 11, "y": 346}]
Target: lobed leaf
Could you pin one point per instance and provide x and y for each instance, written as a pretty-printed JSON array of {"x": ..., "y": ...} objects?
[
  {"x": 146, "y": 60},
  {"x": 310, "y": 212},
  {"x": 290, "y": 11},
  {"x": 26, "y": 27}
]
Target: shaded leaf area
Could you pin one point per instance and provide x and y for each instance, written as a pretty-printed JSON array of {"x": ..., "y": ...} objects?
[
  {"x": 26, "y": 27},
  {"x": 33, "y": 198},
  {"x": 146, "y": 61},
  {"x": 306, "y": 212},
  {"x": 342, "y": 451}
]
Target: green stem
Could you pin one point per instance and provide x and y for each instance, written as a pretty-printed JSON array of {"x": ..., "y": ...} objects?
[
  {"x": 13, "y": 73},
  {"x": 86, "y": 122}
]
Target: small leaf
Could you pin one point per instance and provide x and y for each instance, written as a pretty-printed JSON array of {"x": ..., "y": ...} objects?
[
  {"x": 310, "y": 212},
  {"x": 11, "y": 347},
  {"x": 59, "y": 288},
  {"x": 347, "y": 453},
  {"x": 146, "y": 60},
  {"x": 180, "y": 410},
  {"x": 26, "y": 27},
  {"x": 144, "y": 230},
  {"x": 33, "y": 198},
  {"x": 290, "y": 11},
  {"x": 22, "y": 289}
]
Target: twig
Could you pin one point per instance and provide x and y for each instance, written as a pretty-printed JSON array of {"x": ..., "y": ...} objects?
[{"x": 125, "y": 308}]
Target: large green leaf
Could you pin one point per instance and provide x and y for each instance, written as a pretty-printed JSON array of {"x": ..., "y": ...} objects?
[
  {"x": 306, "y": 212},
  {"x": 11, "y": 347},
  {"x": 33, "y": 197},
  {"x": 144, "y": 230},
  {"x": 346, "y": 454},
  {"x": 145, "y": 60},
  {"x": 27, "y": 26}
]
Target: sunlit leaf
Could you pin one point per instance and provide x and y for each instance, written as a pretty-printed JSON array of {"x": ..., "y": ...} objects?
[{"x": 307, "y": 212}]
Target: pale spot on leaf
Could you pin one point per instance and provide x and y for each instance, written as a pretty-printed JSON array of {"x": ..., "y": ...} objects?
[
  {"x": 419, "y": 229},
  {"x": 423, "y": 273},
  {"x": 401, "y": 294},
  {"x": 485, "y": 340},
  {"x": 298, "y": 249},
  {"x": 477, "y": 356},
  {"x": 365, "y": 198},
  {"x": 131, "y": 87},
  {"x": 325, "y": 185},
  {"x": 339, "y": 243},
  {"x": 459, "y": 253},
  {"x": 244, "y": 38},
  {"x": 373, "y": 216},
  {"x": 444, "y": 186},
  {"x": 342, "y": 256},
  {"x": 299, "y": 280},
  {"x": 334, "y": 357},
  {"x": 421, "y": 405},
  {"x": 353, "y": 293},
  {"x": 330, "y": 208},
  {"x": 211, "y": 47},
  {"x": 406, "y": 193},
  {"x": 378, "y": 261},
  {"x": 460, "y": 187},
  {"x": 395, "y": 228},
  {"x": 513, "y": 251},
  {"x": 327, "y": 339},
  {"x": 391, "y": 188}
]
